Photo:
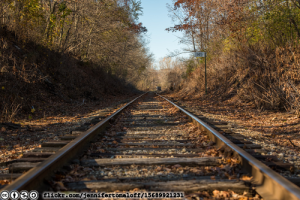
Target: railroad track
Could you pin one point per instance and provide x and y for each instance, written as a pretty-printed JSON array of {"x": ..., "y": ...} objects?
[{"x": 151, "y": 144}]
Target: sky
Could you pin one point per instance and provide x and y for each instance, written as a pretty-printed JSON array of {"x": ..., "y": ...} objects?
[{"x": 155, "y": 18}]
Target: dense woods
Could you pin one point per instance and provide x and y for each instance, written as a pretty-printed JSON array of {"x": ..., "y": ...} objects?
[
  {"x": 252, "y": 50},
  {"x": 69, "y": 49},
  {"x": 73, "y": 50}
]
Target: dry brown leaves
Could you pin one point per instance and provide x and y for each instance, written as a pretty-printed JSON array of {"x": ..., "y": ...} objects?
[
  {"x": 273, "y": 125},
  {"x": 230, "y": 194},
  {"x": 4, "y": 182},
  {"x": 246, "y": 178}
]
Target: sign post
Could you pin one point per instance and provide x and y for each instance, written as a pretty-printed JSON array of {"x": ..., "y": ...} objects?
[{"x": 203, "y": 54}]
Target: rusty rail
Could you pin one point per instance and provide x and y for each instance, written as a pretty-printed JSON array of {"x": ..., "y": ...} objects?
[
  {"x": 269, "y": 184},
  {"x": 35, "y": 178}
]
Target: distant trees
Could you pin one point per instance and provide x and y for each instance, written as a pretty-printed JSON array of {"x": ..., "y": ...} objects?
[
  {"x": 171, "y": 73},
  {"x": 105, "y": 32}
]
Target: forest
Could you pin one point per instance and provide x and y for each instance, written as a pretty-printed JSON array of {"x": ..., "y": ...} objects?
[
  {"x": 50, "y": 48},
  {"x": 252, "y": 51},
  {"x": 68, "y": 51}
]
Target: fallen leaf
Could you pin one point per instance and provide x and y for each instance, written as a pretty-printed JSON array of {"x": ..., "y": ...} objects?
[
  {"x": 4, "y": 182},
  {"x": 246, "y": 178},
  {"x": 216, "y": 193},
  {"x": 224, "y": 194},
  {"x": 135, "y": 189},
  {"x": 144, "y": 170}
]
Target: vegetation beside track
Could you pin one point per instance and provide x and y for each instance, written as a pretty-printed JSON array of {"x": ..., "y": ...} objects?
[
  {"x": 252, "y": 51},
  {"x": 60, "y": 54}
]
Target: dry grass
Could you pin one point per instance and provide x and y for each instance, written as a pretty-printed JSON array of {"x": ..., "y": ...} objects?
[{"x": 268, "y": 78}]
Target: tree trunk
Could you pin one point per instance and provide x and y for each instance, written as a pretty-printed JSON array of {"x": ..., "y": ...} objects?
[{"x": 52, "y": 11}]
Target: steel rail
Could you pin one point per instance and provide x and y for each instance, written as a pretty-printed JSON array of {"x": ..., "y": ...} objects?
[
  {"x": 269, "y": 184},
  {"x": 35, "y": 178}
]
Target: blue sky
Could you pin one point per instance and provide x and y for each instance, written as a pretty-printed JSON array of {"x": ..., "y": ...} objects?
[{"x": 155, "y": 18}]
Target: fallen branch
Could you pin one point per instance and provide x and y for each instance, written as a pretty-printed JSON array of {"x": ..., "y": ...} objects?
[{"x": 292, "y": 143}]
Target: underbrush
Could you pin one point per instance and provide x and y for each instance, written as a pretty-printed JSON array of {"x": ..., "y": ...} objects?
[
  {"x": 33, "y": 78},
  {"x": 266, "y": 77}
]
